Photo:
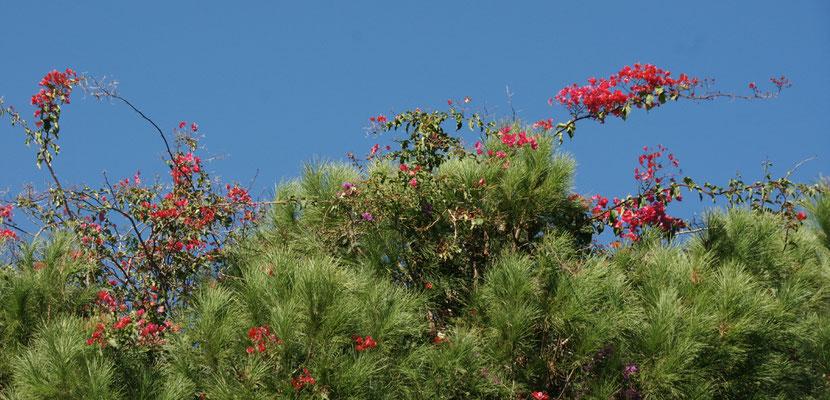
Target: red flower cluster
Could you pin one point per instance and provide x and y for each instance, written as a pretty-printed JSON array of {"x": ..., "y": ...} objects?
[
  {"x": 123, "y": 322},
  {"x": 148, "y": 334},
  {"x": 652, "y": 214},
  {"x": 151, "y": 333},
  {"x": 363, "y": 344},
  {"x": 649, "y": 162},
  {"x": 412, "y": 172},
  {"x": 260, "y": 336},
  {"x": 90, "y": 230},
  {"x": 539, "y": 396},
  {"x": 650, "y": 207},
  {"x": 518, "y": 140},
  {"x": 602, "y": 202},
  {"x": 126, "y": 181},
  {"x": 188, "y": 245},
  {"x": 238, "y": 195},
  {"x": 150, "y": 328},
  {"x": 184, "y": 166},
  {"x": 58, "y": 86},
  {"x": 179, "y": 210},
  {"x": 546, "y": 125},
  {"x": 629, "y": 85},
  {"x": 781, "y": 82},
  {"x": 303, "y": 380},
  {"x": 106, "y": 301},
  {"x": 98, "y": 335},
  {"x": 5, "y": 214},
  {"x": 479, "y": 148},
  {"x": 379, "y": 119}
]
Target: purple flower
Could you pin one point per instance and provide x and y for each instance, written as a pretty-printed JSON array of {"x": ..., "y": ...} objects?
[
  {"x": 348, "y": 185},
  {"x": 633, "y": 394},
  {"x": 427, "y": 210},
  {"x": 367, "y": 216},
  {"x": 629, "y": 370}
]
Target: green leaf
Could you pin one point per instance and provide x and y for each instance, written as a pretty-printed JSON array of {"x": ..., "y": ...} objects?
[{"x": 625, "y": 111}]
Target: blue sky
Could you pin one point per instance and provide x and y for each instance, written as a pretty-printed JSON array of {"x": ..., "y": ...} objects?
[{"x": 273, "y": 84}]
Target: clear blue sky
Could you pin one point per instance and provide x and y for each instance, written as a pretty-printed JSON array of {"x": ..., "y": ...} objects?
[{"x": 272, "y": 84}]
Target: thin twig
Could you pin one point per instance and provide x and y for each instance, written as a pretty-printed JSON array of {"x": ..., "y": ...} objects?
[
  {"x": 510, "y": 102},
  {"x": 706, "y": 228},
  {"x": 116, "y": 96},
  {"x": 798, "y": 165}
]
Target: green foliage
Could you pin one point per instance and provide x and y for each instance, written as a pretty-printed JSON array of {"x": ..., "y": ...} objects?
[
  {"x": 60, "y": 365},
  {"x": 47, "y": 282},
  {"x": 469, "y": 277},
  {"x": 440, "y": 225},
  {"x": 738, "y": 311},
  {"x": 313, "y": 306},
  {"x": 819, "y": 207}
]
